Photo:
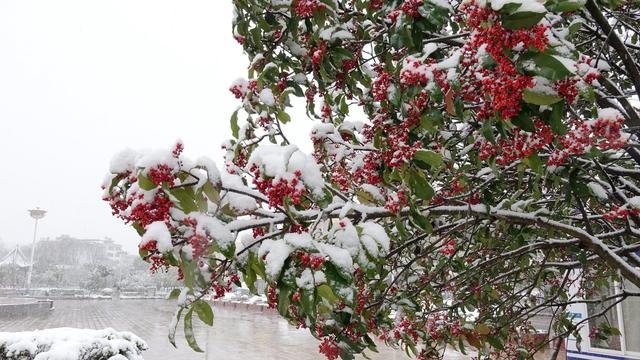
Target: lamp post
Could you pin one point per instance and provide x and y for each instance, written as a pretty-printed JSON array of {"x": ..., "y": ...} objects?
[{"x": 37, "y": 214}]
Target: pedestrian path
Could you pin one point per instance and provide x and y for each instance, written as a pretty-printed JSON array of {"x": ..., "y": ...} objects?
[{"x": 236, "y": 334}]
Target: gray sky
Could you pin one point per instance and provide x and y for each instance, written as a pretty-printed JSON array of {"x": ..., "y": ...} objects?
[{"x": 80, "y": 80}]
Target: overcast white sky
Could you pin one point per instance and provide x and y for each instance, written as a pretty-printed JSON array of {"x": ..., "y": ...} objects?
[{"x": 80, "y": 80}]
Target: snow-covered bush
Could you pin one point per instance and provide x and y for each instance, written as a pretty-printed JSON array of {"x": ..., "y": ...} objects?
[
  {"x": 70, "y": 343},
  {"x": 470, "y": 157}
]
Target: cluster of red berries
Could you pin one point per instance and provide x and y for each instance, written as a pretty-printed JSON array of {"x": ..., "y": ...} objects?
[
  {"x": 161, "y": 174},
  {"x": 500, "y": 88},
  {"x": 376, "y": 4},
  {"x": 306, "y": 8},
  {"x": 399, "y": 150},
  {"x": 449, "y": 248},
  {"x": 310, "y": 260},
  {"x": 329, "y": 348},
  {"x": 410, "y": 7},
  {"x": 157, "y": 261},
  {"x": 519, "y": 146},
  {"x": 363, "y": 296},
  {"x": 317, "y": 53},
  {"x": 618, "y": 212},
  {"x": 380, "y": 86},
  {"x": 145, "y": 213},
  {"x": 567, "y": 89},
  {"x": 272, "y": 298},
  {"x": 606, "y": 133},
  {"x": 405, "y": 327},
  {"x": 397, "y": 201},
  {"x": 237, "y": 91},
  {"x": 277, "y": 191},
  {"x": 240, "y": 90}
]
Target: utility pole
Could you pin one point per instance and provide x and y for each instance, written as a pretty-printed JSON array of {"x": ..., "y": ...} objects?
[{"x": 37, "y": 214}]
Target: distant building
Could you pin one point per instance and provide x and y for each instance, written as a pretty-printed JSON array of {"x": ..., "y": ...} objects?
[
  {"x": 13, "y": 269},
  {"x": 68, "y": 251},
  {"x": 114, "y": 251},
  {"x": 15, "y": 258}
]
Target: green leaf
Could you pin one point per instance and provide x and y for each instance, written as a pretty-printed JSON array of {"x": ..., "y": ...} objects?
[
  {"x": 519, "y": 20},
  {"x": 145, "y": 182},
  {"x": 461, "y": 345},
  {"x": 174, "y": 325},
  {"x": 174, "y": 294},
  {"x": 188, "y": 331},
  {"x": 524, "y": 121},
  {"x": 187, "y": 270},
  {"x": 324, "y": 291},
  {"x": 211, "y": 191},
  {"x": 283, "y": 300},
  {"x": 536, "y": 163},
  {"x": 344, "y": 107},
  {"x": 283, "y": 117},
  {"x": 203, "y": 309},
  {"x": 568, "y": 6},
  {"x": 555, "y": 119},
  {"x": 186, "y": 199},
  {"x": 432, "y": 158},
  {"x": 483, "y": 329},
  {"x": 249, "y": 277},
  {"x": 421, "y": 221},
  {"x": 487, "y": 131},
  {"x": 234, "y": 124},
  {"x": 575, "y": 26},
  {"x": 407, "y": 38},
  {"x": 306, "y": 302},
  {"x": 420, "y": 186},
  {"x": 549, "y": 66},
  {"x": 495, "y": 342},
  {"x": 540, "y": 99}
]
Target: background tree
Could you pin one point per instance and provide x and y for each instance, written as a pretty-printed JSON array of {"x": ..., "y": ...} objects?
[{"x": 474, "y": 166}]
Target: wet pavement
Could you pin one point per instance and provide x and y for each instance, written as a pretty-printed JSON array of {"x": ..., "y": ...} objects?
[{"x": 236, "y": 334}]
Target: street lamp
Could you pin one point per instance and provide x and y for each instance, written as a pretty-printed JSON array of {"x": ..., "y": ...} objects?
[{"x": 37, "y": 214}]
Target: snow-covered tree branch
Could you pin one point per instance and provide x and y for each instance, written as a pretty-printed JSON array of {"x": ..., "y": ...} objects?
[{"x": 475, "y": 165}]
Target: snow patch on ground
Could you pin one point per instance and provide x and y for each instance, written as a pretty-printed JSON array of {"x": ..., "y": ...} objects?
[{"x": 71, "y": 343}]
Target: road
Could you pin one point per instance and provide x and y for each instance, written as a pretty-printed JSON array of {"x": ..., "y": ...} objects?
[{"x": 236, "y": 334}]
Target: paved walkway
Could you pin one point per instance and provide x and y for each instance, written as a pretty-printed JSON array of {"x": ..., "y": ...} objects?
[{"x": 235, "y": 335}]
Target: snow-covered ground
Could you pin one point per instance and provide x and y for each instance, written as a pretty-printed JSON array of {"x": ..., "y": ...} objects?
[{"x": 71, "y": 343}]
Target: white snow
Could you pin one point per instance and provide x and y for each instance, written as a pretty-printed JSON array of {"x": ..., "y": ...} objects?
[
  {"x": 525, "y": 5},
  {"x": 159, "y": 232},
  {"x": 342, "y": 35},
  {"x": 277, "y": 252},
  {"x": 567, "y": 63},
  {"x": 239, "y": 202},
  {"x": 609, "y": 114},
  {"x": 543, "y": 86},
  {"x": 154, "y": 158},
  {"x": 441, "y": 3},
  {"x": 338, "y": 256},
  {"x": 210, "y": 166},
  {"x": 598, "y": 190},
  {"x": 281, "y": 162},
  {"x": 207, "y": 225},
  {"x": 346, "y": 237},
  {"x": 299, "y": 241},
  {"x": 123, "y": 161},
  {"x": 374, "y": 191},
  {"x": 635, "y": 202},
  {"x": 71, "y": 343},
  {"x": 376, "y": 232},
  {"x": 309, "y": 279},
  {"x": 266, "y": 97},
  {"x": 450, "y": 62}
]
